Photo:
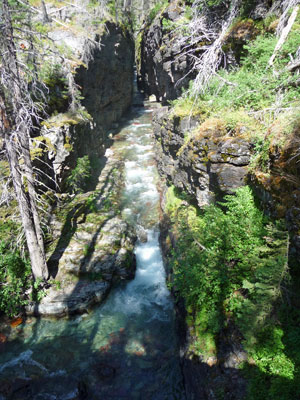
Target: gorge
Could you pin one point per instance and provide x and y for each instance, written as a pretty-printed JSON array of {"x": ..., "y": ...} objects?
[{"x": 170, "y": 216}]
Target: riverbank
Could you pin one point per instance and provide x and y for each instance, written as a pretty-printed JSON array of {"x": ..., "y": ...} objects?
[{"x": 127, "y": 347}]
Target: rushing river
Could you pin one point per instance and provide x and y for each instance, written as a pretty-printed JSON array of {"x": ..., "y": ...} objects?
[{"x": 126, "y": 348}]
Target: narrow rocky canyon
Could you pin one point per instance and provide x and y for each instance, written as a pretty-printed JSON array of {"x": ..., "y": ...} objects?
[{"x": 162, "y": 170}]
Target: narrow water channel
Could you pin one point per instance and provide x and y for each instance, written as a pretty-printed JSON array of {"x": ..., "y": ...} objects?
[{"x": 126, "y": 348}]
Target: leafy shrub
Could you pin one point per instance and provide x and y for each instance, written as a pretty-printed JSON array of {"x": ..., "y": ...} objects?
[
  {"x": 14, "y": 280},
  {"x": 228, "y": 261},
  {"x": 216, "y": 240},
  {"x": 78, "y": 181},
  {"x": 53, "y": 77},
  {"x": 159, "y": 6}
]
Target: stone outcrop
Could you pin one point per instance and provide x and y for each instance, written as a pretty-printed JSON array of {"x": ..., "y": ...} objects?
[
  {"x": 106, "y": 84},
  {"x": 92, "y": 248},
  {"x": 162, "y": 73},
  {"x": 107, "y": 87},
  {"x": 205, "y": 165},
  {"x": 165, "y": 63}
]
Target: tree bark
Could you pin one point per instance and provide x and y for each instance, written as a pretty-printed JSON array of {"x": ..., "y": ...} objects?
[
  {"x": 28, "y": 213},
  {"x": 15, "y": 127},
  {"x": 46, "y": 18},
  {"x": 284, "y": 35}
]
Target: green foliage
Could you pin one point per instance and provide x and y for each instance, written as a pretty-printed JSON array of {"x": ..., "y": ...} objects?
[
  {"x": 14, "y": 280},
  {"x": 179, "y": 24},
  {"x": 39, "y": 27},
  {"x": 159, "y": 6},
  {"x": 8, "y": 229},
  {"x": 54, "y": 79},
  {"x": 55, "y": 283},
  {"x": 214, "y": 3},
  {"x": 168, "y": 25},
  {"x": 252, "y": 87},
  {"x": 274, "y": 373},
  {"x": 111, "y": 4},
  {"x": 79, "y": 178},
  {"x": 216, "y": 239},
  {"x": 229, "y": 262}
]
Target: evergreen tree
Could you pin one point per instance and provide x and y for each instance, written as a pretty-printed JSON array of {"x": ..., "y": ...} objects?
[{"x": 18, "y": 84}]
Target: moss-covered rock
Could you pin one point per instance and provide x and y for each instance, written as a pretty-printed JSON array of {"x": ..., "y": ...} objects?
[
  {"x": 205, "y": 159},
  {"x": 91, "y": 247}
]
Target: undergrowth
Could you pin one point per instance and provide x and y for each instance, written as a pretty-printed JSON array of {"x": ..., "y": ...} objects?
[
  {"x": 15, "y": 274},
  {"x": 230, "y": 266},
  {"x": 252, "y": 94},
  {"x": 158, "y": 7},
  {"x": 80, "y": 176}
]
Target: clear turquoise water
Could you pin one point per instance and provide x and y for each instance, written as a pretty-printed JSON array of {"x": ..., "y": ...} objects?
[{"x": 126, "y": 348}]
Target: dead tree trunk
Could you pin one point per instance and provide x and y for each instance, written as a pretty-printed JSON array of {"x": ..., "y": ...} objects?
[
  {"x": 29, "y": 215},
  {"x": 17, "y": 111},
  {"x": 46, "y": 18},
  {"x": 284, "y": 34}
]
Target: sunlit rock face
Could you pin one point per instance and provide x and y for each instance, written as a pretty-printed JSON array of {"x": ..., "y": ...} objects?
[{"x": 205, "y": 166}]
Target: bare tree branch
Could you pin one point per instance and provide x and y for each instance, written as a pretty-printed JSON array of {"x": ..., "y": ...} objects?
[{"x": 284, "y": 33}]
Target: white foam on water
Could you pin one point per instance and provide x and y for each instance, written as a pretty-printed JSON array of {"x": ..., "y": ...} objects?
[
  {"x": 148, "y": 289},
  {"x": 130, "y": 164},
  {"x": 146, "y": 156},
  {"x": 134, "y": 174},
  {"x": 108, "y": 153},
  {"x": 150, "y": 194},
  {"x": 60, "y": 372},
  {"x": 143, "y": 147},
  {"x": 137, "y": 125}
]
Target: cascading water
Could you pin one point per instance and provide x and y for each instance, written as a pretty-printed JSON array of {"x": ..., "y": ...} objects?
[{"x": 126, "y": 348}]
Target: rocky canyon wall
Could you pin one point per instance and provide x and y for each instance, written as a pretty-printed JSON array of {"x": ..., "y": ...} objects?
[{"x": 106, "y": 85}]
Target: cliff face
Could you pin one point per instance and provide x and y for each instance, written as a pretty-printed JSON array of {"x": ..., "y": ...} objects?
[
  {"x": 161, "y": 72},
  {"x": 106, "y": 84},
  {"x": 166, "y": 62},
  {"x": 208, "y": 165},
  {"x": 208, "y": 145}
]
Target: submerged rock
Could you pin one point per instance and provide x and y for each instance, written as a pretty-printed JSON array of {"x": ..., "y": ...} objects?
[
  {"x": 104, "y": 371},
  {"x": 142, "y": 234}
]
